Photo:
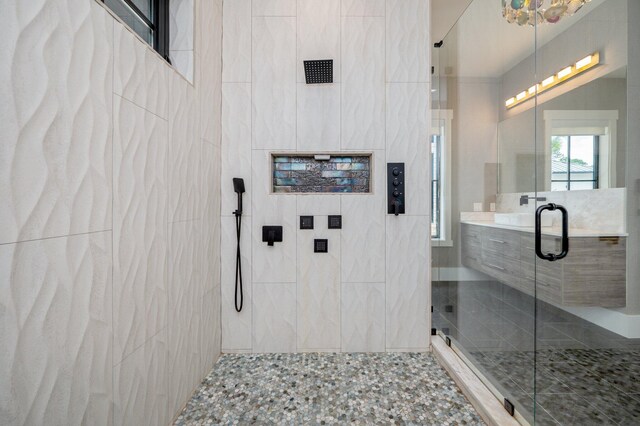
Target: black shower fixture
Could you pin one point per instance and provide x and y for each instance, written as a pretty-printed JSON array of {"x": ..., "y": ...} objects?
[
  {"x": 319, "y": 71},
  {"x": 271, "y": 235},
  {"x": 238, "y": 188}
]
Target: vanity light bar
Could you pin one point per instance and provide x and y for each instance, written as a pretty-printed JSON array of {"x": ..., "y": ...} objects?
[{"x": 563, "y": 75}]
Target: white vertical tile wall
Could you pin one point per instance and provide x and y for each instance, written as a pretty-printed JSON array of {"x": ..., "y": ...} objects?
[
  {"x": 94, "y": 114},
  {"x": 273, "y": 82},
  {"x": 236, "y": 43},
  {"x": 363, "y": 7},
  {"x": 363, "y": 317},
  {"x": 318, "y": 289},
  {"x": 274, "y": 317},
  {"x": 352, "y": 298},
  {"x": 363, "y": 77}
]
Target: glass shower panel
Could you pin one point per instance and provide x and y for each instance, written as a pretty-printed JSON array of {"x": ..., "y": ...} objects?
[
  {"x": 481, "y": 299},
  {"x": 588, "y": 161}
]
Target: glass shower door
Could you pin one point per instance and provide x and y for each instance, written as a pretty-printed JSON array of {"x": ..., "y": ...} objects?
[
  {"x": 482, "y": 305},
  {"x": 587, "y": 346}
]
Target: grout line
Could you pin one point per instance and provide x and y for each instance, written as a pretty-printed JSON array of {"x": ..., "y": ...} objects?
[
  {"x": 252, "y": 184},
  {"x": 60, "y": 236},
  {"x": 113, "y": 334}
]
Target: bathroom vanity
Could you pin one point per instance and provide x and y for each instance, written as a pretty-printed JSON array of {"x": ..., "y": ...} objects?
[{"x": 593, "y": 274}]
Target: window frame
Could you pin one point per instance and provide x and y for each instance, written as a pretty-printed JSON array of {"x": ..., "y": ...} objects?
[
  {"x": 441, "y": 123},
  {"x": 603, "y": 123},
  {"x": 158, "y": 23},
  {"x": 596, "y": 162}
]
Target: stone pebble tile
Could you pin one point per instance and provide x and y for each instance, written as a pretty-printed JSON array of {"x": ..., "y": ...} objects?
[{"x": 313, "y": 388}]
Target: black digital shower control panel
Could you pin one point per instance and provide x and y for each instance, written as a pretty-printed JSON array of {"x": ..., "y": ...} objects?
[{"x": 395, "y": 188}]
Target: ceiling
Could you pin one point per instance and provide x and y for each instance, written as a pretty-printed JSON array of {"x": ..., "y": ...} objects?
[
  {"x": 483, "y": 44},
  {"x": 444, "y": 14}
]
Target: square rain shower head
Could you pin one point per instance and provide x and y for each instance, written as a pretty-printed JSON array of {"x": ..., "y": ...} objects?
[{"x": 319, "y": 71}]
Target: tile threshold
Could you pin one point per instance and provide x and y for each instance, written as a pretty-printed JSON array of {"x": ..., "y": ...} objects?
[{"x": 478, "y": 394}]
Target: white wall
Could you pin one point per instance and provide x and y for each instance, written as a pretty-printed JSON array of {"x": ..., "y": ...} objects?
[
  {"x": 109, "y": 224},
  {"x": 371, "y": 291},
  {"x": 473, "y": 151}
]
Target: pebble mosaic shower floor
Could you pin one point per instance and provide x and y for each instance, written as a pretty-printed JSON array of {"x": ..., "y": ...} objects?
[{"x": 312, "y": 388}]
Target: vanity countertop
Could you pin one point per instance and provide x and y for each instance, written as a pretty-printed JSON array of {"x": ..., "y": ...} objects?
[{"x": 551, "y": 231}]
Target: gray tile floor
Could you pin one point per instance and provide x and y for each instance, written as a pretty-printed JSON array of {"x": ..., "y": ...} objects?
[
  {"x": 584, "y": 374},
  {"x": 388, "y": 388}
]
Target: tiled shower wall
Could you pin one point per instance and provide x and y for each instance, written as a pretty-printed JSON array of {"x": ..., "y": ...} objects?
[
  {"x": 371, "y": 291},
  {"x": 109, "y": 220}
]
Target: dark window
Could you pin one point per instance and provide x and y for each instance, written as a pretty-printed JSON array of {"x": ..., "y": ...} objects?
[
  {"x": 574, "y": 162},
  {"x": 436, "y": 199},
  {"x": 148, "y": 18}
]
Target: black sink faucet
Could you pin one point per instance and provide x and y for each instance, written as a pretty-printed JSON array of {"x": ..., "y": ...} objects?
[{"x": 524, "y": 199}]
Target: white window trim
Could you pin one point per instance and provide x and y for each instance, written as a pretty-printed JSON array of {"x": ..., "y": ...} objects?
[
  {"x": 566, "y": 122},
  {"x": 445, "y": 115}
]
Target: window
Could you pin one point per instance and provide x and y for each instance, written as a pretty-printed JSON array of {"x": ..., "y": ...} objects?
[
  {"x": 436, "y": 181},
  {"x": 148, "y": 18},
  {"x": 574, "y": 162},
  {"x": 580, "y": 149},
  {"x": 441, "y": 177}
]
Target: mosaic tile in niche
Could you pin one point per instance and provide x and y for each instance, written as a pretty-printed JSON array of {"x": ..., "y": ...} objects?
[{"x": 305, "y": 174}]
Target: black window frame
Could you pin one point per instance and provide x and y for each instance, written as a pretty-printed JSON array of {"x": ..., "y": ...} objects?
[
  {"x": 436, "y": 186},
  {"x": 158, "y": 23},
  {"x": 596, "y": 164}
]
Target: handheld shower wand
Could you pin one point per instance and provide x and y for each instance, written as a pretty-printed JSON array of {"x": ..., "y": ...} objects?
[{"x": 238, "y": 187}]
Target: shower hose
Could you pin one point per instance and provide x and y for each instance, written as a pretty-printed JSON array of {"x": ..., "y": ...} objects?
[{"x": 238, "y": 291}]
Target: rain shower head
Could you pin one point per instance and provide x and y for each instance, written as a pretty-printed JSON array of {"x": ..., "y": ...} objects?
[{"x": 319, "y": 71}]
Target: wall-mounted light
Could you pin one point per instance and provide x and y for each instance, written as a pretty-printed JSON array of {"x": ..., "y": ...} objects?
[
  {"x": 548, "y": 81},
  {"x": 563, "y": 75}
]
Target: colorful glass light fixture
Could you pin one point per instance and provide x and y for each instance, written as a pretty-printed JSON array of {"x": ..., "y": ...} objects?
[{"x": 530, "y": 12}]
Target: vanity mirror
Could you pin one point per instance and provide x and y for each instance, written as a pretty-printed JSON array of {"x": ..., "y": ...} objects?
[{"x": 580, "y": 140}]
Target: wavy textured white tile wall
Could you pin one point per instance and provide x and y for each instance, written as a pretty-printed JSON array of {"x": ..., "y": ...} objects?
[
  {"x": 363, "y": 317},
  {"x": 55, "y": 153},
  {"x": 274, "y": 317},
  {"x": 318, "y": 117},
  {"x": 209, "y": 87},
  {"x": 236, "y": 142},
  {"x": 181, "y": 22},
  {"x": 408, "y": 139},
  {"x": 236, "y": 43},
  {"x": 274, "y": 7},
  {"x": 274, "y": 83},
  {"x": 185, "y": 296},
  {"x": 55, "y": 299},
  {"x": 363, "y": 7},
  {"x": 140, "y": 75},
  {"x": 318, "y": 292},
  {"x": 140, "y": 240},
  {"x": 408, "y": 290},
  {"x": 350, "y": 300},
  {"x": 184, "y": 152},
  {"x": 407, "y": 41},
  {"x": 363, "y": 230},
  {"x": 236, "y": 327},
  {"x": 321, "y": 205},
  {"x": 363, "y": 103},
  {"x": 276, "y": 264},
  {"x": 141, "y": 385},
  {"x": 210, "y": 329},
  {"x": 318, "y": 34},
  {"x": 56, "y": 179}
]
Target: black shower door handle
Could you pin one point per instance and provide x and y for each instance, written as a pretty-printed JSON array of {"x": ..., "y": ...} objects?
[{"x": 552, "y": 257}]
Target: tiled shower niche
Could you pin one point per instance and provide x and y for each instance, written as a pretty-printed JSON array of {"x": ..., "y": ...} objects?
[{"x": 307, "y": 174}]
